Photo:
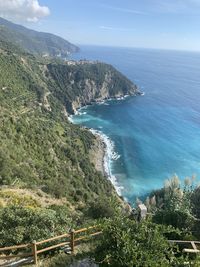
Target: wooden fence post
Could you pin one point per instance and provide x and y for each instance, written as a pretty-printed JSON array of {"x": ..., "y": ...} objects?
[
  {"x": 34, "y": 250},
  {"x": 72, "y": 240}
]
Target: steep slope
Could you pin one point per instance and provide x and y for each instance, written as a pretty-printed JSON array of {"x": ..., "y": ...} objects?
[
  {"x": 86, "y": 82},
  {"x": 39, "y": 148},
  {"x": 35, "y": 42}
]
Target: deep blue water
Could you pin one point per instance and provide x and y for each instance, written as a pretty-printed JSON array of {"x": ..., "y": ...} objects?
[{"x": 158, "y": 134}]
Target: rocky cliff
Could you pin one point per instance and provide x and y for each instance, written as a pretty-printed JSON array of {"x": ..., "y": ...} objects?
[{"x": 81, "y": 84}]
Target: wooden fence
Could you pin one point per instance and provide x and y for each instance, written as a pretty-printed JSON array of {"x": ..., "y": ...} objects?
[
  {"x": 193, "y": 244},
  {"x": 67, "y": 242}
]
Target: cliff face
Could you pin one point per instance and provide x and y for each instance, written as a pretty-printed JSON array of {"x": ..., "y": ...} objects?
[{"x": 79, "y": 85}]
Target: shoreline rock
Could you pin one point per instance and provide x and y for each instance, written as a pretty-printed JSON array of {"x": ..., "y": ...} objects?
[
  {"x": 76, "y": 105},
  {"x": 97, "y": 157},
  {"x": 97, "y": 154}
]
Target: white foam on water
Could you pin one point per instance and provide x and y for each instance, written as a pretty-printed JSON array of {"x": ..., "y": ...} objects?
[
  {"x": 70, "y": 118},
  {"x": 110, "y": 156}
]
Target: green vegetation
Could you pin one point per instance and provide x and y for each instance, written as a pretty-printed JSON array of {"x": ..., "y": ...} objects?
[
  {"x": 39, "y": 147},
  {"x": 48, "y": 184},
  {"x": 71, "y": 83},
  {"x": 20, "y": 225},
  {"x": 129, "y": 243},
  {"x": 175, "y": 205},
  {"x": 41, "y": 150},
  {"x": 35, "y": 42},
  {"x": 125, "y": 242},
  {"x": 27, "y": 215},
  {"x": 103, "y": 208}
]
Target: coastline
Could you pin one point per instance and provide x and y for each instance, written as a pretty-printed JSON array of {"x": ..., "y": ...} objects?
[
  {"x": 102, "y": 155},
  {"x": 97, "y": 154},
  {"x": 103, "y": 152},
  {"x": 103, "y": 101},
  {"x": 107, "y": 156}
]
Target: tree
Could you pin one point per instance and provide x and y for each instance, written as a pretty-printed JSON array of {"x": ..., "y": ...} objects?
[
  {"x": 103, "y": 208},
  {"x": 127, "y": 243},
  {"x": 195, "y": 201},
  {"x": 176, "y": 205}
]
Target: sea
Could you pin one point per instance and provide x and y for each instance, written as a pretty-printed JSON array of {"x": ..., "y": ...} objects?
[{"x": 153, "y": 137}]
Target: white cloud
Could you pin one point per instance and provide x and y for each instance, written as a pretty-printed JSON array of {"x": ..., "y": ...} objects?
[{"x": 23, "y": 10}]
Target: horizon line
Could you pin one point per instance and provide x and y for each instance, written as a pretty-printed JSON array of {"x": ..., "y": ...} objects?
[{"x": 137, "y": 47}]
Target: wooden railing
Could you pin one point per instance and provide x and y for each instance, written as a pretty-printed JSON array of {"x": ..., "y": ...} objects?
[
  {"x": 193, "y": 244},
  {"x": 68, "y": 241}
]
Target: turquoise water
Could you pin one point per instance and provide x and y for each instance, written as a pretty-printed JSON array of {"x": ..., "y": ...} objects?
[{"x": 155, "y": 135}]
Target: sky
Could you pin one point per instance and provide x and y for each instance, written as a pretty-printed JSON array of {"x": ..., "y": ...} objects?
[{"x": 163, "y": 24}]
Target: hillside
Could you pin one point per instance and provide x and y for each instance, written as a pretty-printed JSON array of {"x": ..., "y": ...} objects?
[
  {"x": 39, "y": 147},
  {"x": 80, "y": 84},
  {"x": 35, "y": 42},
  {"x": 48, "y": 181}
]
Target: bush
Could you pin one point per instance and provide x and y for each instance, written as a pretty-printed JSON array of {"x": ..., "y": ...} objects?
[
  {"x": 23, "y": 225},
  {"x": 127, "y": 243},
  {"x": 177, "y": 219},
  {"x": 102, "y": 208},
  {"x": 195, "y": 201}
]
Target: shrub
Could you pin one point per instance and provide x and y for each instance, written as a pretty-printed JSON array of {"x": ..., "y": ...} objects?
[
  {"x": 102, "y": 208},
  {"x": 127, "y": 243},
  {"x": 195, "y": 200},
  {"x": 178, "y": 219},
  {"x": 23, "y": 225}
]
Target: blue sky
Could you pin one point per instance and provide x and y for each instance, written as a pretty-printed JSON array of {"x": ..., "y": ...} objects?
[{"x": 169, "y": 24}]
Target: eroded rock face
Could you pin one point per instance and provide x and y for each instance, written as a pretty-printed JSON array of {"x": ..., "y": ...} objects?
[{"x": 82, "y": 84}]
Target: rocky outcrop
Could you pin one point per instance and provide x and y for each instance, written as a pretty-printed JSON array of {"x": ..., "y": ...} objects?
[
  {"x": 83, "y": 84},
  {"x": 97, "y": 154}
]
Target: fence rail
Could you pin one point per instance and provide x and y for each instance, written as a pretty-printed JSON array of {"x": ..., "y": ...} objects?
[
  {"x": 192, "y": 244},
  {"x": 70, "y": 242}
]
